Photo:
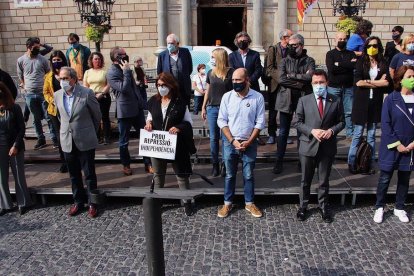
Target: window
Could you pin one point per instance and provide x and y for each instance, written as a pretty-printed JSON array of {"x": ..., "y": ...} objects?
[{"x": 28, "y": 3}]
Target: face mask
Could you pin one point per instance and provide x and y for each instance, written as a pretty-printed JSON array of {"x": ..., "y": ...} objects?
[
  {"x": 35, "y": 51},
  {"x": 164, "y": 90},
  {"x": 319, "y": 89},
  {"x": 65, "y": 85},
  {"x": 243, "y": 45},
  {"x": 408, "y": 83},
  {"x": 74, "y": 44},
  {"x": 371, "y": 51},
  {"x": 410, "y": 47},
  {"x": 341, "y": 45},
  {"x": 293, "y": 52},
  {"x": 171, "y": 48},
  {"x": 396, "y": 36},
  {"x": 239, "y": 86},
  {"x": 213, "y": 62},
  {"x": 57, "y": 65}
]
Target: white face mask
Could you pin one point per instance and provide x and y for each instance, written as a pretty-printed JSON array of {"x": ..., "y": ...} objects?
[
  {"x": 164, "y": 90},
  {"x": 65, "y": 85},
  {"x": 319, "y": 89}
]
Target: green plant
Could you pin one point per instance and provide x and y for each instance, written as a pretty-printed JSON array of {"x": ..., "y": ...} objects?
[
  {"x": 96, "y": 33},
  {"x": 347, "y": 25}
]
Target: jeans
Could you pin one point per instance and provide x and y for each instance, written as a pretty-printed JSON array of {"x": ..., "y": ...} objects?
[
  {"x": 124, "y": 126},
  {"x": 35, "y": 104},
  {"x": 212, "y": 115},
  {"x": 356, "y": 138},
  {"x": 272, "y": 125},
  {"x": 346, "y": 95},
  {"x": 402, "y": 188},
  {"x": 231, "y": 158},
  {"x": 198, "y": 102}
]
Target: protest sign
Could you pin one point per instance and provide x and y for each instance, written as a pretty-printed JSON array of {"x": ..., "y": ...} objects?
[{"x": 158, "y": 144}]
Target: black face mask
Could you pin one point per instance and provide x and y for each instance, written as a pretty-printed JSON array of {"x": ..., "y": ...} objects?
[
  {"x": 292, "y": 52},
  {"x": 35, "y": 51},
  {"x": 243, "y": 45},
  {"x": 341, "y": 45},
  {"x": 396, "y": 36}
]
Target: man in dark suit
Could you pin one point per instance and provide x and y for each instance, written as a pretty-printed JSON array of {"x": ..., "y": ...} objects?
[
  {"x": 319, "y": 119},
  {"x": 178, "y": 62}
]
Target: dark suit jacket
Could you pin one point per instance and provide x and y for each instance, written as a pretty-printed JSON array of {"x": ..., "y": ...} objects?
[
  {"x": 185, "y": 68},
  {"x": 273, "y": 60},
  {"x": 308, "y": 118},
  {"x": 129, "y": 100},
  {"x": 253, "y": 66}
]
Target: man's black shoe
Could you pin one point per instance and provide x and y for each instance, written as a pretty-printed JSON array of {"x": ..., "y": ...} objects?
[
  {"x": 216, "y": 170},
  {"x": 41, "y": 143},
  {"x": 326, "y": 215},
  {"x": 278, "y": 168},
  {"x": 63, "y": 168},
  {"x": 301, "y": 214},
  {"x": 188, "y": 208}
]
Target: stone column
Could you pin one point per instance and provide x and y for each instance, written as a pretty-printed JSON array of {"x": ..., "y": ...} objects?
[
  {"x": 257, "y": 26},
  {"x": 185, "y": 35},
  {"x": 161, "y": 25},
  {"x": 281, "y": 17}
]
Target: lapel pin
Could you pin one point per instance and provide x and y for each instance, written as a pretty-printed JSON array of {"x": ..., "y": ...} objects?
[{"x": 248, "y": 105}]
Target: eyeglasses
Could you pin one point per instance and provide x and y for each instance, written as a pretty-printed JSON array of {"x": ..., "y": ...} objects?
[
  {"x": 373, "y": 46},
  {"x": 294, "y": 45}
]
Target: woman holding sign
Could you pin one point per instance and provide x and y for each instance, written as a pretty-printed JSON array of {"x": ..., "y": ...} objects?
[{"x": 168, "y": 112}]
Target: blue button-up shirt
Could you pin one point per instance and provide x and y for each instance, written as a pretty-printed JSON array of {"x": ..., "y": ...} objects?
[
  {"x": 242, "y": 115},
  {"x": 68, "y": 102}
]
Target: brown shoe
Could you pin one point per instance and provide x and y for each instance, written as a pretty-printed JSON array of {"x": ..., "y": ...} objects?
[
  {"x": 149, "y": 169},
  {"x": 224, "y": 211},
  {"x": 93, "y": 211},
  {"x": 127, "y": 171},
  {"x": 74, "y": 210},
  {"x": 254, "y": 210}
]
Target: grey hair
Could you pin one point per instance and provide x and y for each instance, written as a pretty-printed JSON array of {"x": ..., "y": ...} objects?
[
  {"x": 240, "y": 34},
  {"x": 176, "y": 38},
  {"x": 283, "y": 33},
  {"x": 72, "y": 72},
  {"x": 298, "y": 37}
]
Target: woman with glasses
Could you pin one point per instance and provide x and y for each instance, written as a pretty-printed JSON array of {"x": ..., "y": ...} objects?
[
  {"x": 372, "y": 81},
  {"x": 406, "y": 57},
  {"x": 167, "y": 111}
]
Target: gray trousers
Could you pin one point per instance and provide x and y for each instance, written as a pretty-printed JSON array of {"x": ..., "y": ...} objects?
[
  {"x": 160, "y": 168},
  {"x": 17, "y": 167}
]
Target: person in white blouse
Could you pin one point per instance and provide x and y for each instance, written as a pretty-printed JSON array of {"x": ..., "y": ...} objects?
[{"x": 200, "y": 87}]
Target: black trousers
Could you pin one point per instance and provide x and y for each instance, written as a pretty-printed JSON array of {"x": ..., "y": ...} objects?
[
  {"x": 105, "y": 105},
  {"x": 79, "y": 161},
  {"x": 272, "y": 125}
]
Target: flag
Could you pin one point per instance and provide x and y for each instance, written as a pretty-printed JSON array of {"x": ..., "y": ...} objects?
[{"x": 304, "y": 8}]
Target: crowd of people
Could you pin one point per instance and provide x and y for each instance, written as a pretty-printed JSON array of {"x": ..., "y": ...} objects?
[{"x": 72, "y": 91}]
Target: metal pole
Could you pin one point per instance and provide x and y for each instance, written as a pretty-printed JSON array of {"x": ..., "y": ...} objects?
[
  {"x": 153, "y": 236},
  {"x": 324, "y": 25}
]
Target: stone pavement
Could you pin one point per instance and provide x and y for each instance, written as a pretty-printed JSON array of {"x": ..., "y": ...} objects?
[{"x": 45, "y": 241}]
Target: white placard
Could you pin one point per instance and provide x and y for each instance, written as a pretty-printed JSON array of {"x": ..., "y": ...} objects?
[{"x": 158, "y": 144}]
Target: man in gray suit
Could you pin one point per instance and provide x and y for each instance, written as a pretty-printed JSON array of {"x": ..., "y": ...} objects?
[
  {"x": 320, "y": 118},
  {"x": 80, "y": 116}
]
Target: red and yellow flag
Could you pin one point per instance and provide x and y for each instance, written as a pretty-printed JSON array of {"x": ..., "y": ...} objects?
[{"x": 304, "y": 8}]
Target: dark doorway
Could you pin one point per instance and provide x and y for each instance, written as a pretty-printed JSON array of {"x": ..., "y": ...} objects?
[{"x": 220, "y": 24}]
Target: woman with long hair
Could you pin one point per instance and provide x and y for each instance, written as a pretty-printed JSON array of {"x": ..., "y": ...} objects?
[
  {"x": 218, "y": 82},
  {"x": 57, "y": 60},
  {"x": 167, "y": 111},
  {"x": 12, "y": 130},
  {"x": 95, "y": 79},
  {"x": 406, "y": 57},
  {"x": 372, "y": 80},
  {"x": 397, "y": 143}
]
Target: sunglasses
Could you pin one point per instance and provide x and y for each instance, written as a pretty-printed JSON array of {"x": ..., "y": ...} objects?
[
  {"x": 373, "y": 46},
  {"x": 293, "y": 45}
]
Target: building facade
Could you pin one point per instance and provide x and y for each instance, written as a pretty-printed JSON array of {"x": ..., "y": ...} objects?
[{"x": 141, "y": 26}]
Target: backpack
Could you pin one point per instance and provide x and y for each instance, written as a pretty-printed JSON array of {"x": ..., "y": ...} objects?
[
  {"x": 363, "y": 157},
  {"x": 266, "y": 78}
]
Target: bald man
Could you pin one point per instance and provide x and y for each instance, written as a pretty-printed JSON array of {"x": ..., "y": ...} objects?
[
  {"x": 241, "y": 117},
  {"x": 341, "y": 63}
]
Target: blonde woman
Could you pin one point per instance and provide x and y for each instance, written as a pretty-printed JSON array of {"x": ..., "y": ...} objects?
[
  {"x": 218, "y": 82},
  {"x": 406, "y": 57}
]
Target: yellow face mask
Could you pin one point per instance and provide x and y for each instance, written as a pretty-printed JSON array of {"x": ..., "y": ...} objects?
[{"x": 371, "y": 51}]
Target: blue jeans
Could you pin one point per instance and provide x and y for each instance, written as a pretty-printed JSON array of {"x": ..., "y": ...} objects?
[
  {"x": 212, "y": 115},
  {"x": 356, "y": 138},
  {"x": 198, "y": 102},
  {"x": 231, "y": 158},
  {"x": 346, "y": 95},
  {"x": 35, "y": 103},
  {"x": 285, "y": 120},
  {"x": 402, "y": 188}
]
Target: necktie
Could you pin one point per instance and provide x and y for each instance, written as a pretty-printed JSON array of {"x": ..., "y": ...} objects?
[{"x": 320, "y": 106}]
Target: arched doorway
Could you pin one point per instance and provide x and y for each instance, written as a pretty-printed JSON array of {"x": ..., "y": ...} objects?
[{"x": 220, "y": 20}]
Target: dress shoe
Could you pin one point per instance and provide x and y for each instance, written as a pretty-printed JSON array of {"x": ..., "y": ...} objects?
[
  {"x": 301, "y": 214},
  {"x": 75, "y": 209},
  {"x": 326, "y": 215},
  {"x": 271, "y": 140},
  {"x": 216, "y": 170},
  {"x": 188, "y": 208},
  {"x": 93, "y": 211},
  {"x": 127, "y": 171},
  {"x": 3, "y": 212},
  {"x": 22, "y": 210},
  {"x": 278, "y": 168},
  {"x": 63, "y": 168},
  {"x": 148, "y": 169}
]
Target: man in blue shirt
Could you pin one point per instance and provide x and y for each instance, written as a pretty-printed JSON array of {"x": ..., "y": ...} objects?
[{"x": 241, "y": 117}]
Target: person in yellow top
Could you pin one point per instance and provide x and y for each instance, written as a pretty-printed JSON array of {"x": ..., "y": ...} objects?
[
  {"x": 95, "y": 79},
  {"x": 52, "y": 84}
]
